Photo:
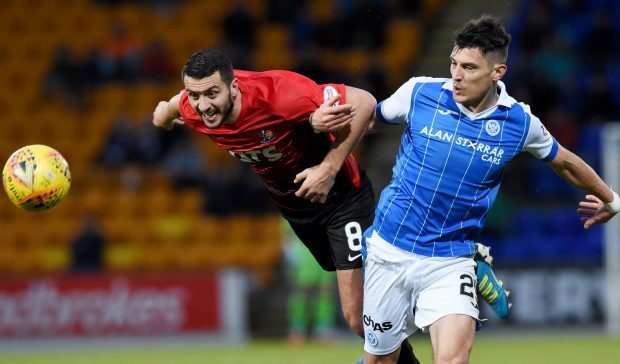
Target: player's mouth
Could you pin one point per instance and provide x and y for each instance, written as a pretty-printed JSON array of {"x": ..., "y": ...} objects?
[
  {"x": 210, "y": 118},
  {"x": 457, "y": 90}
]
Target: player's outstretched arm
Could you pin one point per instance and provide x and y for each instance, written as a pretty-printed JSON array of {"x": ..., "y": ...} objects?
[
  {"x": 318, "y": 180},
  {"x": 602, "y": 204},
  {"x": 167, "y": 113}
]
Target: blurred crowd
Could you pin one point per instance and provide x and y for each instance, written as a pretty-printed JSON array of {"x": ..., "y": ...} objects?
[
  {"x": 563, "y": 62},
  {"x": 119, "y": 59},
  {"x": 122, "y": 58},
  {"x": 311, "y": 34}
]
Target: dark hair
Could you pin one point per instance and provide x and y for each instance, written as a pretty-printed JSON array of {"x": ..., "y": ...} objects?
[
  {"x": 206, "y": 62},
  {"x": 486, "y": 34}
]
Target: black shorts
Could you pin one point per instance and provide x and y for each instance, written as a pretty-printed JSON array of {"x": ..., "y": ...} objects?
[{"x": 334, "y": 234}]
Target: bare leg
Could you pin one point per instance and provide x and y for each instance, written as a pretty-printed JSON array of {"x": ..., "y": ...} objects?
[
  {"x": 453, "y": 337},
  {"x": 351, "y": 290},
  {"x": 381, "y": 359}
]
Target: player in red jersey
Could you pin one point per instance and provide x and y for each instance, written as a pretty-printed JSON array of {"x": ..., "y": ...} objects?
[{"x": 262, "y": 118}]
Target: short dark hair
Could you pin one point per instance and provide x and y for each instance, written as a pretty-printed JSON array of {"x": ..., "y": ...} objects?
[
  {"x": 486, "y": 34},
  {"x": 206, "y": 62}
]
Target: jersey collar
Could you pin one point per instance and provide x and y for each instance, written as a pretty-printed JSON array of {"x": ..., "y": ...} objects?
[{"x": 503, "y": 100}]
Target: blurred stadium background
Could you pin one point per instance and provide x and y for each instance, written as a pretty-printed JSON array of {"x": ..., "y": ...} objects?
[{"x": 164, "y": 236}]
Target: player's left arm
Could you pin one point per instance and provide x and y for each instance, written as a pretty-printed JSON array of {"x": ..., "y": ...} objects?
[
  {"x": 391, "y": 111},
  {"x": 318, "y": 180},
  {"x": 604, "y": 203},
  {"x": 331, "y": 117},
  {"x": 168, "y": 113}
]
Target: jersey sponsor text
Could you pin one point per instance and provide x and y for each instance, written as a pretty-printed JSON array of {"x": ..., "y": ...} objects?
[
  {"x": 257, "y": 155},
  {"x": 490, "y": 154}
]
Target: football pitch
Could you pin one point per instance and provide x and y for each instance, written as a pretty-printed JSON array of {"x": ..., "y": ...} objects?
[{"x": 487, "y": 350}]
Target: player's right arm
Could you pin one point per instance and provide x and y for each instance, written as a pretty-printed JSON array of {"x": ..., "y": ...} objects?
[
  {"x": 391, "y": 111},
  {"x": 575, "y": 171},
  {"x": 317, "y": 181},
  {"x": 578, "y": 173},
  {"x": 330, "y": 117},
  {"x": 167, "y": 113}
]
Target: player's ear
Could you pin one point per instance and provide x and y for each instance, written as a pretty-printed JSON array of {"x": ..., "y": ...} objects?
[
  {"x": 234, "y": 88},
  {"x": 499, "y": 71}
]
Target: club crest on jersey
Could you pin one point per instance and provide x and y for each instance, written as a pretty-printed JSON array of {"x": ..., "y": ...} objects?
[
  {"x": 328, "y": 93},
  {"x": 544, "y": 130},
  {"x": 266, "y": 136},
  {"x": 372, "y": 339},
  {"x": 492, "y": 127}
]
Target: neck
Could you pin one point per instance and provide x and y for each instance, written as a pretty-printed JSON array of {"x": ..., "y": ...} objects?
[{"x": 488, "y": 100}]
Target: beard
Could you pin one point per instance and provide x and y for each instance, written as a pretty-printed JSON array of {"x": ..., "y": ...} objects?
[
  {"x": 224, "y": 115},
  {"x": 229, "y": 108}
]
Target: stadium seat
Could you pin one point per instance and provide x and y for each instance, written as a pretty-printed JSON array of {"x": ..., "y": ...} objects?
[
  {"x": 122, "y": 256},
  {"x": 272, "y": 51},
  {"x": 402, "y": 47},
  {"x": 153, "y": 227}
]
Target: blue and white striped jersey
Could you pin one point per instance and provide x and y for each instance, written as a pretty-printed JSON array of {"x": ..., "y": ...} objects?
[{"x": 450, "y": 165}]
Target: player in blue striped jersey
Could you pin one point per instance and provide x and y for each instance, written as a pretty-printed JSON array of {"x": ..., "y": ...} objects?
[{"x": 459, "y": 135}]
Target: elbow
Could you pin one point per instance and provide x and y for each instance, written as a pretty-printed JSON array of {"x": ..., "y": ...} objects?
[
  {"x": 369, "y": 105},
  {"x": 371, "y": 101}
]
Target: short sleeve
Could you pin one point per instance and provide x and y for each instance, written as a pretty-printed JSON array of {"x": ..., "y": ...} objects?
[
  {"x": 331, "y": 90},
  {"x": 539, "y": 142},
  {"x": 394, "y": 109}
]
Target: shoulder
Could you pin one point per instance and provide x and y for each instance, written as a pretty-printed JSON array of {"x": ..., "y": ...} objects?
[
  {"x": 279, "y": 92},
  {"x": 273, "y": 77},
  {"x": 521, "y": 114},
  {"x": 431, "y": 80},
  {"x": 425, "y": 85},
  {"x": 510, "y": 102},
  {"x": 426, "y": 89},
  {"x": 279, "y": 84},
  {"x": 522, "y": 107},
  {"x": 428, "y": 81},
  {"x": 394, "y": 109}
]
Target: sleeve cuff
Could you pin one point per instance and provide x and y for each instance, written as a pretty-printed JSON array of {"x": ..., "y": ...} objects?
[
  {"x": 380, "y": 116},
  {"x": 553, "y": 152}
]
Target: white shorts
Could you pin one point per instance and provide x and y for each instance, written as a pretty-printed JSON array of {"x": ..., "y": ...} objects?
[{"x": 405, "y": 291}]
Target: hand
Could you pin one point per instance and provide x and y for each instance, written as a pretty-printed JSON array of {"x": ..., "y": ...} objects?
[
  {"x": 330, "y": 118},
  {"x": 593, "y": 211},
  {"x": 161, "y": 117},
  {"x": 317, "y": 182}
]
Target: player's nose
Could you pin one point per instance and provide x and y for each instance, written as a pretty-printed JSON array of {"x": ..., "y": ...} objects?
[
  {"x": 457, "y": 74},
  {"x": 203, "y": 104}
]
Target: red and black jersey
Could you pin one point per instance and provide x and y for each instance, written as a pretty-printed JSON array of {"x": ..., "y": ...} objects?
[{"x": 273, "y": 134}]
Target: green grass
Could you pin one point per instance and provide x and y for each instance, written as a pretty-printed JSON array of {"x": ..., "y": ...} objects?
[{"x": 487, "y": 350}]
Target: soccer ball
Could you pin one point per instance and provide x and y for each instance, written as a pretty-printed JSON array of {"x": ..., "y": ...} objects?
[{"x": 36, "y": 177}]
